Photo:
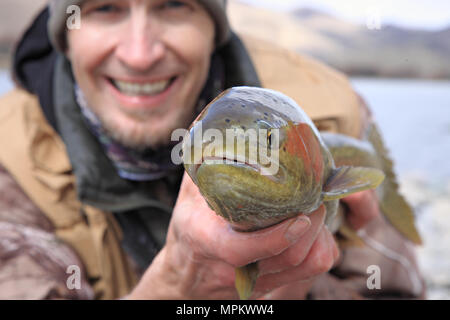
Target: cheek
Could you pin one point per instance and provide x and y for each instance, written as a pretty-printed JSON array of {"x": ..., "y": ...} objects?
[
  {"x": 193, "y": 44},
  {"x": 86, "y": 52}
]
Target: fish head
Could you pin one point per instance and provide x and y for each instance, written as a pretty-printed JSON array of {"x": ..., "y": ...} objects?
[{"x": 256, "y": 158}]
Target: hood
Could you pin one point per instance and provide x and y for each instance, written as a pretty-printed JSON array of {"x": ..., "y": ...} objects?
[{"x": 33, "y": 64}]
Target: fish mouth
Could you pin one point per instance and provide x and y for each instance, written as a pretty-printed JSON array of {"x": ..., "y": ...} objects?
[{"x": 232, "y": 161}]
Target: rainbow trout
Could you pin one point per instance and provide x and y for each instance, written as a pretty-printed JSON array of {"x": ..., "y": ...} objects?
[{"x": 258, "y": 159}]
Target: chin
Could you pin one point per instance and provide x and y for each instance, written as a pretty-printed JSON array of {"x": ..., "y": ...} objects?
[
  {"x": 138, "y": 134},
  {"x": 142, "y": 129}
]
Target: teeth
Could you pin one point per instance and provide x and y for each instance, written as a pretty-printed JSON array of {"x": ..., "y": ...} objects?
[{"x": 136, "y": 89}]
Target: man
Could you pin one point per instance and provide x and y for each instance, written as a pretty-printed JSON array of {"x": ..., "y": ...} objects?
[{"x": 88, "y": 187}]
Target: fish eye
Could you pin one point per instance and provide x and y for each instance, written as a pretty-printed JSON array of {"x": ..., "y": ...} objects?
[
  {"x": 175, "y": 5},
  {"x": 269, "y": 138},
  {"x": 172, "y": 4},
  {"x": 107, "y": 8}
]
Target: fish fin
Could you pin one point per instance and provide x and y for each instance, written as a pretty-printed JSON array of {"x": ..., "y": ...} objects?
[
  {"x": 393, "y": 205},
  {"x": 245, "y": 280},
  {"x": 347, "y": 180}
]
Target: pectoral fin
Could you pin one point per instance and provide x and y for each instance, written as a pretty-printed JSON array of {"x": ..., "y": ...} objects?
[
  {"x": 245, "y": 280},
  {"x": 347, "y": 180}
]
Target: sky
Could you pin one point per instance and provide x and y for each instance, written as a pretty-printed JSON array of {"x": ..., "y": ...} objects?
[{"x": 420, "y": 14}]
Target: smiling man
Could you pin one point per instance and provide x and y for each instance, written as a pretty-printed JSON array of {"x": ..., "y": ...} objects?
[
  {"x": 142, "y": 65},
  {"x": 87, "y": 180}
]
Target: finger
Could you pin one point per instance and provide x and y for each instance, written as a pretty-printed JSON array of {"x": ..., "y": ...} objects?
[
  {"x": 363, "y": 208},
  {"x": 319, "y": 260},
  {"x": 295, "y": 254},
  {"x": 242, "y": 248}
]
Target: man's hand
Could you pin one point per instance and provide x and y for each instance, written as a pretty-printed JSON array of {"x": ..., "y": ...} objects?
[
  {"x": 363, "y": 208},
  {"x": 202, "y": 251}
]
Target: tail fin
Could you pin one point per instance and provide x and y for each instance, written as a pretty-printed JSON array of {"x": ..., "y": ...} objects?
[
  {"x": 245, "y": 280},
  {"x": 393, "y": 205}
]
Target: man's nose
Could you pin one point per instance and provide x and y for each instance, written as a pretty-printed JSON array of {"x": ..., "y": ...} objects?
[{"x": 141, "y": 47}]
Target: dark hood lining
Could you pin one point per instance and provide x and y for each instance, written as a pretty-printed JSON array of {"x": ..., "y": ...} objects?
[{"x": 33, "y": 64}]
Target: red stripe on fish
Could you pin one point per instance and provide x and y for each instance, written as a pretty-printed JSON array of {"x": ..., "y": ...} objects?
[{"x": 302, "y": 142}]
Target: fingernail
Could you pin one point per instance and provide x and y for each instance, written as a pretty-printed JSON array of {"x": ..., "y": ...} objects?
[{"x": 297, "y": 228}]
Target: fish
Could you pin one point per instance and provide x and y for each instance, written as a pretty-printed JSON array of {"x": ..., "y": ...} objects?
[{"x": 258, "y": 159}]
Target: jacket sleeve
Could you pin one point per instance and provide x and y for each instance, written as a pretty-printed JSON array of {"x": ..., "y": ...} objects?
[
  {"x": 384, "y": 268},
  {"x": 34, "y": 264}
]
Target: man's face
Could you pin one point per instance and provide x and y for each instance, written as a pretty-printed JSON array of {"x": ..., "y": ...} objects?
[{"x": 142, "y": 65}]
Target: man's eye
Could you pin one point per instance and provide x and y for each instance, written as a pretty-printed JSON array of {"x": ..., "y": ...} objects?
[
  {"x": 174, "y": 4},
  {"x": 107, "y": 8}
]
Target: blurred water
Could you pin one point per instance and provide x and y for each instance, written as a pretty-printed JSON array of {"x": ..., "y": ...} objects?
[
  {"x": 414, "y": 117},
  {"x": 5, "y": 82}
]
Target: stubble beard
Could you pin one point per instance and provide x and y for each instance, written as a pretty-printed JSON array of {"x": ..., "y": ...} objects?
[{"x": 142, "y": 129}]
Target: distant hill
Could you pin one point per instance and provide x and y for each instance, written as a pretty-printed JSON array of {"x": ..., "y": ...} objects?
[{"x": 389, "y": 52}]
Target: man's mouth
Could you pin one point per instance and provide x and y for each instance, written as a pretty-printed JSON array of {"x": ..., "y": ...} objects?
[{"x": 142, "y": 88}]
